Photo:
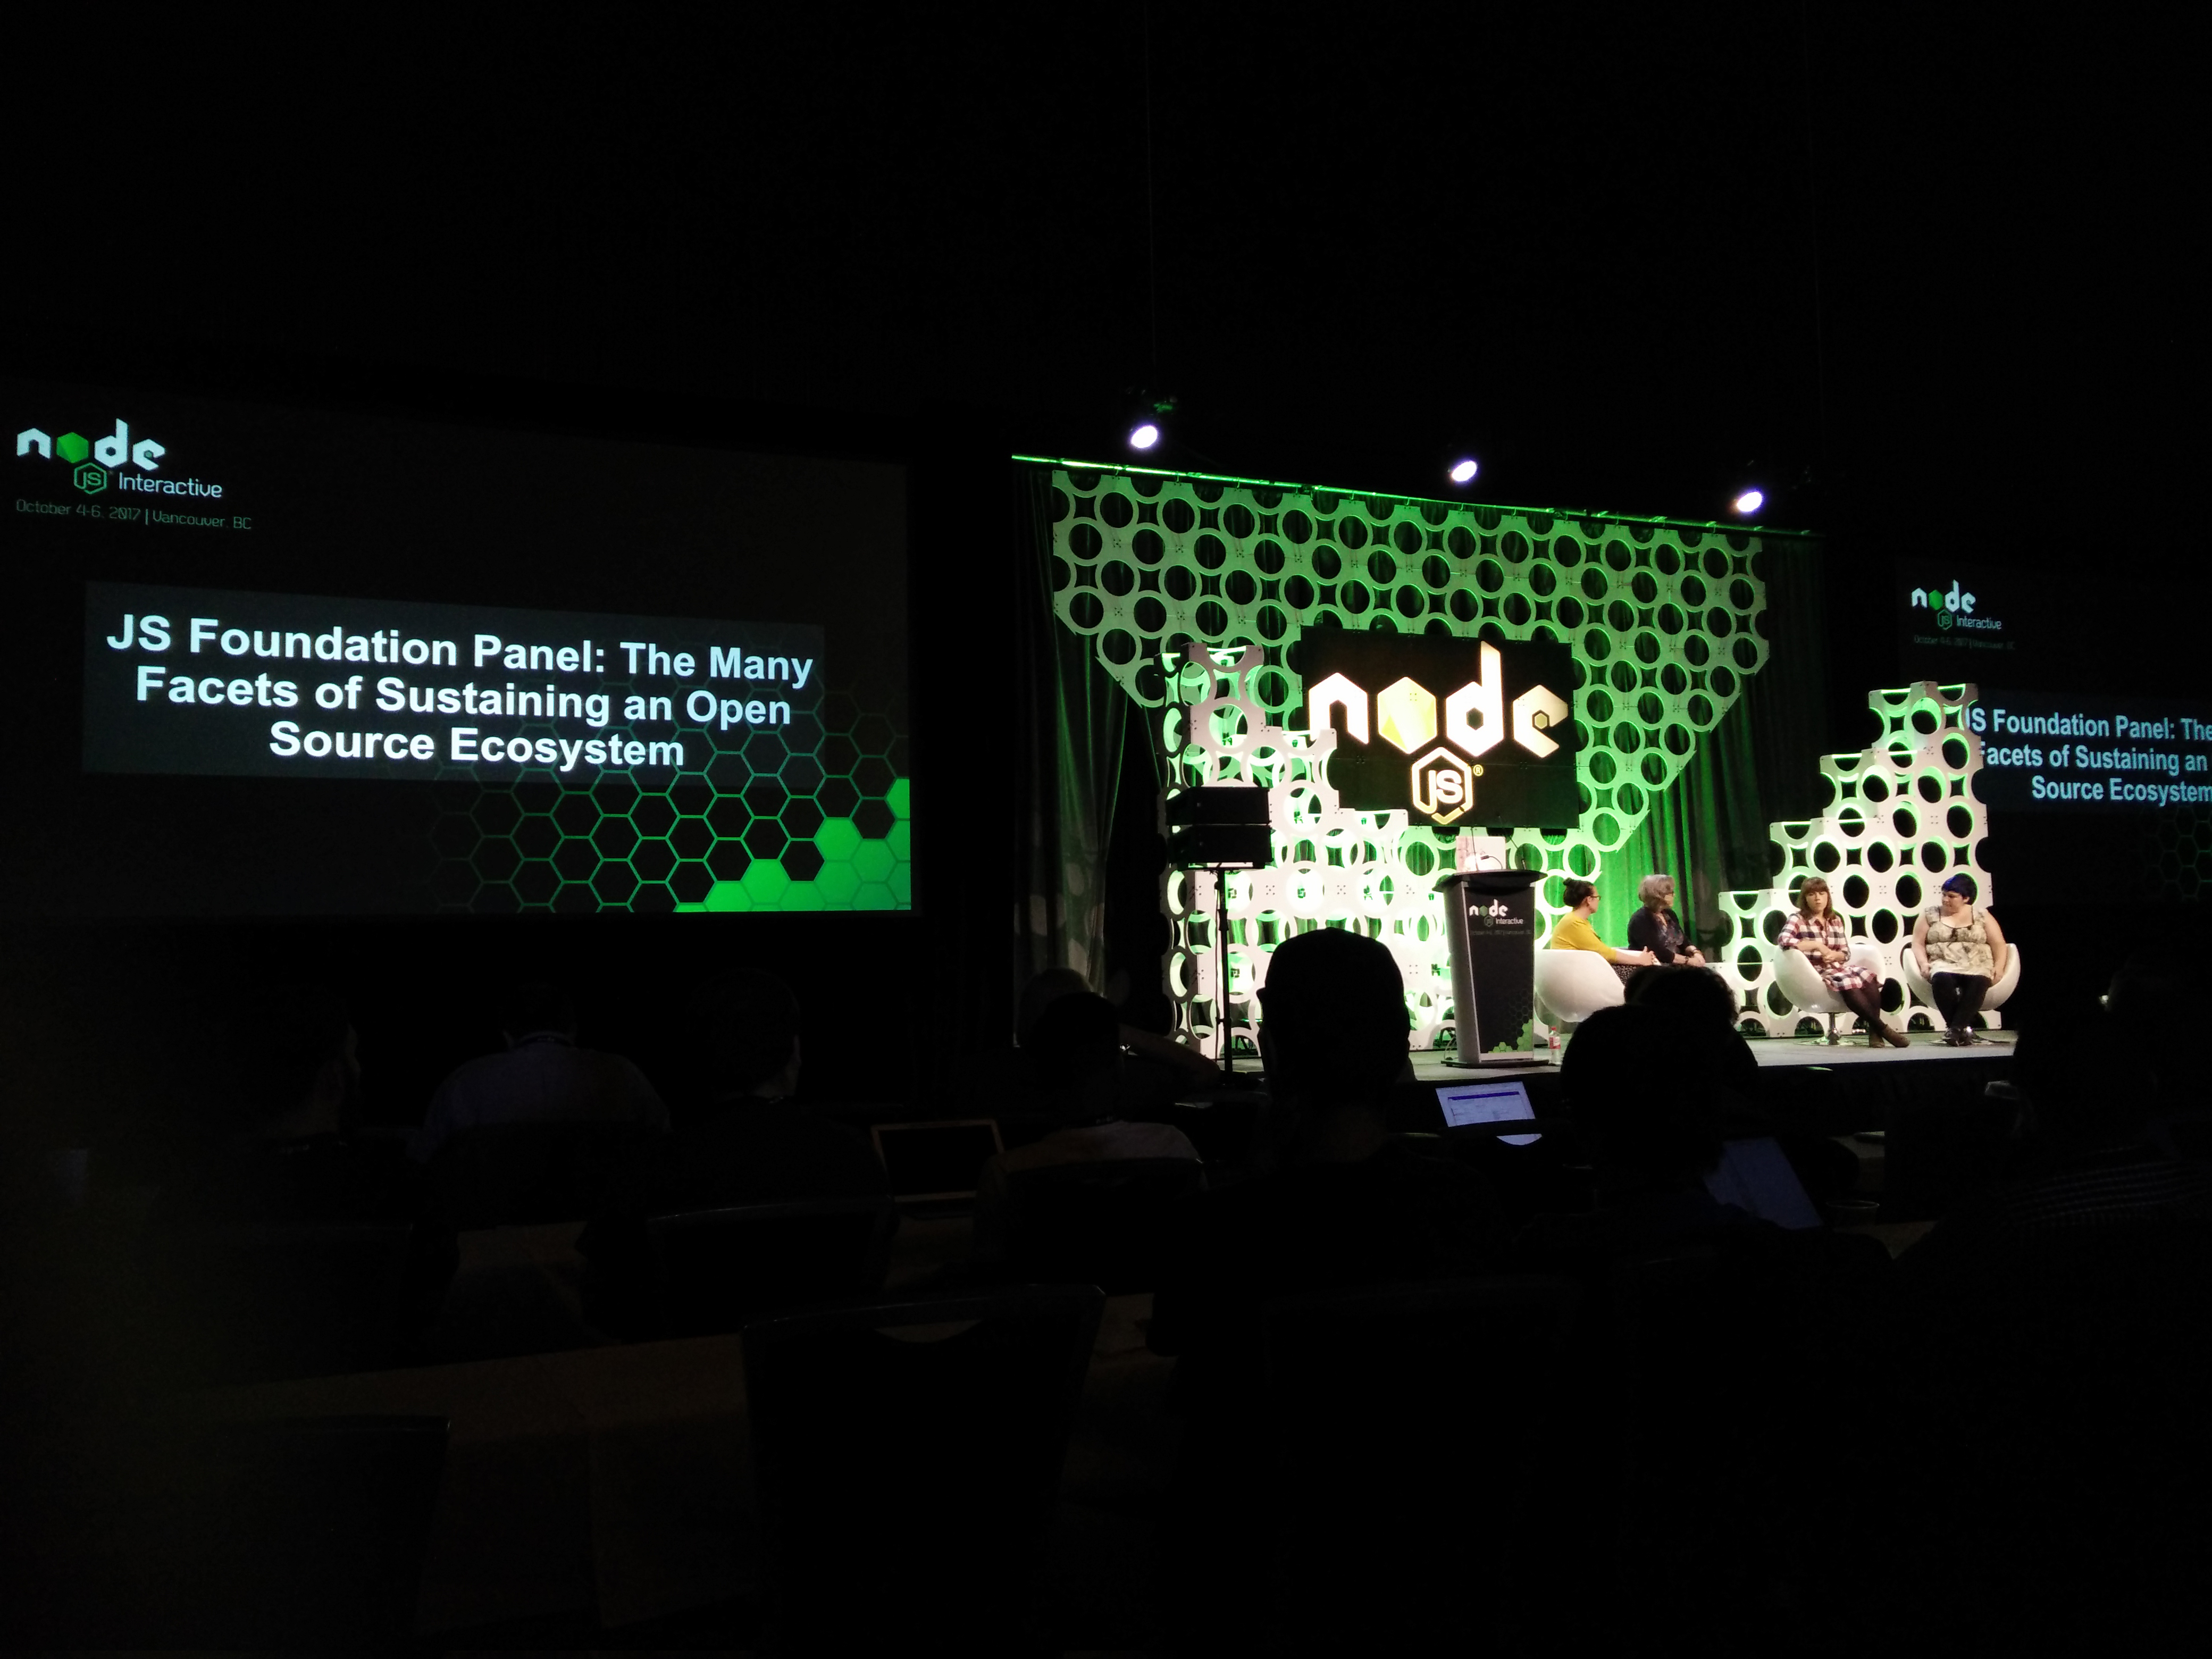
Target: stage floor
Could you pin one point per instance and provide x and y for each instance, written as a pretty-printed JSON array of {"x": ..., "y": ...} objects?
[{"x": 1433, "y": 1065}]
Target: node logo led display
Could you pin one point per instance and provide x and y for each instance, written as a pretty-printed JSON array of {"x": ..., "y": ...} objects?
[{"x": 1489, "y": 749}]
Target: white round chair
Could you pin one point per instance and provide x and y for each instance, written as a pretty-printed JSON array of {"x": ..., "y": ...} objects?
[
  {"x": 1809, "y": 993},
  {"x": 2000, "y": 987},
  {"x": 1572, "y": 985}
]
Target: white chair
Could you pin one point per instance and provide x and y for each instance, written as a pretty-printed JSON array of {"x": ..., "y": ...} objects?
[
  {"x": 1809, "y": 993},
  {"x": 1572, "y": 985},
  {"x": 2000, "y": 988}
]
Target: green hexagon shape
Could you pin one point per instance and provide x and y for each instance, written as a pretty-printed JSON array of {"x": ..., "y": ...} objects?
[
  {"x": 836, "y": 886},
  {"x": 873, "y": 861},
  {"x": 837, "y": 840},
  {"x": 728, "y": 895},
  {"x": 765, "y": 880},
  {"x": 896, "y": 799}
]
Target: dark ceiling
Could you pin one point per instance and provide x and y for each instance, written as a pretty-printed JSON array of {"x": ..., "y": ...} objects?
[{"x": 1945, "y": 271}]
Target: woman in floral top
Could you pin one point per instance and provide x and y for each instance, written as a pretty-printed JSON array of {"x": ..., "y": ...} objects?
[{"x": 1819, "y": 933}]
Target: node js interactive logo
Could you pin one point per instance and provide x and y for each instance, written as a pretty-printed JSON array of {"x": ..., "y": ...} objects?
[
  {"x": 1955, "y": 609},
  {"x": 92, "y": 460},
  {"x": 1479, "y": 725}
]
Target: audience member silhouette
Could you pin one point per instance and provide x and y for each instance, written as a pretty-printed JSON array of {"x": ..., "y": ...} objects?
[
  {"x": 294, "y": 1160},
  {"x": 542, "y": 1076},
  {"x": 1155, "y": 1070},
  {"x": 2045, "y": 1369},
  {"x": 1707, "y": 1330},
  {"x": 748, "y": 1141},
  {"x": 1074, "y": 1050},
  {"x": 1350, "y": 1203},
  {"x": 1346, "y": 1204},
  {"x": 1827, "y": 1169}
]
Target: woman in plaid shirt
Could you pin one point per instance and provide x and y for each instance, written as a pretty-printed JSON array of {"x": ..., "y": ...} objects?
[{"x": 1819, "y": 933}]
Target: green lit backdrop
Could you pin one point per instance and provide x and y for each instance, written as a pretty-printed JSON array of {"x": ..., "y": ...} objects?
[{"x": 1189, "y": 591}]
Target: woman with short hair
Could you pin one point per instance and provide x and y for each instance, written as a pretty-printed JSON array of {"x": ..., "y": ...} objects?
[
  {"x": 1656, "y": 928},
  {"x": 1820, "y": 933},
  {"x": 1961, "y": 953}
]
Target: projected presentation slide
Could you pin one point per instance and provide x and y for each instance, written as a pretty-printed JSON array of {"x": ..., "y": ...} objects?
[
  {"x": 276, "y": 685},
  {"x": 2048, "y": 750},
  {"x": 334, "y": 664}
]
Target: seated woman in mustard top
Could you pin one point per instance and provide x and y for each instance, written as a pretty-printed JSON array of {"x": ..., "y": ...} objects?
[{"x": 1575, "y": 932}]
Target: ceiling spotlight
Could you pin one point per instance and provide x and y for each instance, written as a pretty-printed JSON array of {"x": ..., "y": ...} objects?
[
  {"x": 1144, "y": 435},
  {"x": 1463, "y": 470},
  {"x": 1749, "y": 503}
]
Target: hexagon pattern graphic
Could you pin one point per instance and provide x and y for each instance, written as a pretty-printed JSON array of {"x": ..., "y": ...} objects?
[
  {"x": 1193, "y": 590},
  {"x": 802, "y": 817}
]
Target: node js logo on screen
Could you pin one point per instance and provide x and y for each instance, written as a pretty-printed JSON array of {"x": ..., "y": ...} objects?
[
  {"x": 1952, "y": 610},
  {"x": 96, "y": 464},
  {"x": 1477, "y": 728}
]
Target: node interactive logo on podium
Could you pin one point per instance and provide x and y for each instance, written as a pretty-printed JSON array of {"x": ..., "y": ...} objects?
[{"x": 1446, "y": 729}]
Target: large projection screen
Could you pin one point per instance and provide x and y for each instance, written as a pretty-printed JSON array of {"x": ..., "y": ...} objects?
[{"x": 277, "y": 660}]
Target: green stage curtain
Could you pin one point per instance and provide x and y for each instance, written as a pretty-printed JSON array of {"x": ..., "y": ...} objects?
[
  {"x": 1074, "y": 723},
  {"x": 1760, "y": 765}
]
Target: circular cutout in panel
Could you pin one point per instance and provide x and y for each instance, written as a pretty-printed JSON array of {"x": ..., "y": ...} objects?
[
  {"x": 1908, "y": 891},
  {"x": 1085, "y": 613},
  {"x": 1597, "y": 703},
  {"x": 1930, "y": 786},
  {"x": 1875, "y": 788},
  {"x": 1878, "y": 858},
  {"x": 1903, "y": 822},
  {"x": 1826, "y": 857},
  {"x": 1629, "y": 799},
  {"x": 1884, "y": 927},
  {"x": 1116, "y": 509},
  {"x": 1934, "y": 855},
  {"x": 1326, "y": 565},
  {"x": 1581, "y": 859},
  {"x": 1854, "y": 891},
  {"x": 1595, "y": 585},
  {"x": 1956, "y": 754},
  {"x": 1959, "y": 820}
]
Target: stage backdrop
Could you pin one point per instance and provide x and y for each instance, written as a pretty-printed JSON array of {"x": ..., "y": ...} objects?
[{"x": 1191, "y": 595}]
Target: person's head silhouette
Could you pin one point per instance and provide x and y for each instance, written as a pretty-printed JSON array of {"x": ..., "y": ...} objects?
[{"x": 1334, "y": 1020}]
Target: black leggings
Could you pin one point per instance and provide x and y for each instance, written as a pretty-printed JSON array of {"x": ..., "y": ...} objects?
[{"x": 1958, "y": 997}]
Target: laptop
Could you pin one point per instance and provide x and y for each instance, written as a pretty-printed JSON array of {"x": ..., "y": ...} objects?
[
  {"x": 1504, "y": 1102},
  {"x": 1754, "y": 1174},
  {"x": 934, "y": 1167}
]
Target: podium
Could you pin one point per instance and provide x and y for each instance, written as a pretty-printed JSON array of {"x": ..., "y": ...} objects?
[{"x": 1492, "y": 917}]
